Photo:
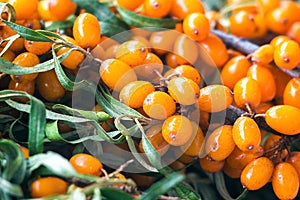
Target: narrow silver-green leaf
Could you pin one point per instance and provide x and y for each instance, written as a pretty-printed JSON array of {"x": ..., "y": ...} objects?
[{"x": 10, "y": 188}]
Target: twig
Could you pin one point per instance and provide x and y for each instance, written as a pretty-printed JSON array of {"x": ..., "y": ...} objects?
[{"x": 120, "y": 169}]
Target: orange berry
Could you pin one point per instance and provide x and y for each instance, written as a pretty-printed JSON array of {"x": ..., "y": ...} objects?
[
  {"x": 38, "y": 48},
  {"x": 157, "y": 8},
  {"x": 285, "y": 181},
  {"x": 263, "y": 55},
  {"x": 196, "y": 26},
  {"x": 159, "y": 105},
  {"x": 131, "y": 4},
  {"x": 98, "y": 52},
  {"x": 215, "y": 98},
  {"x": 24, "y": 8},
  {"x": 189, "y": 72},
  {"x": 26, "y": 59},
  {"x": 195, "y": 146},
  {"x": 86, "y": 31},
  {"x": 116, "y": 74},
  {"x": 181, "y": 8},
  {"x": 235, "y": 69},
  {"x": 8, "y": 55},
  {"x": 174, "y": 60},
  {"x": 86, "y": 164},
  {"x": 268, "y": 5},
  {"x": 287, "y": 55},
  {"x": 269, "y": 145},
  {"x": 261, "y": 74},
  {"x": 163, "y": 41},
  {"x": 294, "y": 159},
  {"x": 263, "y": 107},
  {"x": 294, "y": 32},
  {"x": 210, "y": 165},
  {"x": 47, "y": 186},
  {"x": 184, "y": 90},
  {"x": 61, "y": 9},
  {"x": 186, "y": 48},
  {"x": 284, "y": 119},
  {"x": 219, "y": 143},
  {"x": 242, "y": 24},
  {"x": 216, "y": 49},
  {"x": 43, "y": 10},
  {"x": 291, "y": 95},
  {"x": 74, "y": 58},
  {"x": 251, "y": 176},
  {"x": 231, "y": 172},
  {"x": 25, "y": 151},
  {"x": 132, "y": 52},
  {"x": 246, "y": 134},
  {"x": 247, "y": 91},
  {"x": 177, "y": 130},
  {"x": 49, "y": 86},
  {"x": 278, "y": 40},
  {"x": 26, "y": 86},
  {"x": 133, "y": 94}
]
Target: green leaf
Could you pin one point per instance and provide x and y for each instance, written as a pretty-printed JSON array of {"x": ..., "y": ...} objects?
[
  {"x": 162, "y": 186},
  {"x": 213, "y": 5},
  {"x": 10, "y": 188},
  {"x": 60, "y": 25},
  {"x": 134, "y": 19},
  {"x": 115, "y": 194},
  {"x": 109, "y": 29}
]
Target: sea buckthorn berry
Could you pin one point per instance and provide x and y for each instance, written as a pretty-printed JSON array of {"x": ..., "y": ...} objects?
[
  {"x": 24, "y": 8},
  {"x": 291, "y": 95},
  {"x": 86, "y": 31},
  {"x": 148, "y": 68},
  {"x": 177, "y": 130},
  {"x": 163, "y": 41},
  {"x": 269, "y": 145},
  {"x": 235, "y": 69},
  {"x": 263, "y": 55},
  {"x": 116, "y": 74},
  {"x": 216, "y": 49},
  {"x": 260, "y": 26},
  {"x": 159, "y": 105},
  {"x": 231, "y": 172},
  {"x": 278, "y": 40},
  {"x": 246, "y": 134},
  {"x": 132, "y": 52},
  {"x": 252, "y": 177},
  {"x": 157, "y": 8},
  {"x": 25, "y": 151},
  {"x": 210, "y": 165},
  {"x": 242, "y": 24},
  {"x": 294, "y": 159},
  {"x": 43, "y": 10},
  {"x": 196, "y": 145},
  {"x": 49, "y": 86},
  {"x": 186, "y": 48},
  {"x": 196, "y": 26},
  {"x": 220, "y": 144},
  {"x": 268, "y": 5},
  {"x": 47, "y": 186},
  {"x": 284, "y": 119},
  {"x": 261, "y": 74},
  {"x": 184, "y": 90},
  {"x": 130, "y": 5},
  {"x": 285, "y": 181},
  {"x": 111, "y": 51},
  {"x": 38, "y": 48},
  {"x": 173, "y": 60},
  {"x": 189, "y": 72},
  {"x": 8, "y": 55},
  {"x": 263, "y": 107},
  {"x": 287, "y": 55},
  {"x": 74, "y": 58},
  {"x": 26, "y": 86},
  {"x": 133, "y": 94},
  {"x": 247, "y": 91},
  {"x": 294, "y": 32},
  {"x": 238, "y": 159},
  {"x": 26, "y": 59},
  {"x": 86, "y": 164},
  {"x": 215, "y": 98},
  {"x": 98, "y": 52},
  {"x": 181, "y": 8},
  {"x": 61, "y": 9},
  {"x": 154, "y": 135}
]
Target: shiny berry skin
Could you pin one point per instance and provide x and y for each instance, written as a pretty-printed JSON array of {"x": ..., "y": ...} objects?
[
  {"x": 285, "y": 181},
  {"x": 246, "y": 134},
  {"x": 163, "y": 41},
  {"x": 215, "y": 98},
  {"x": 189, "y": 72},
  {"x": 177, "y": 130},
  {"x": 130, "y": 4},
  {"x": 186, "y": 48},
  {"x": 261, "y": 74},
  {"x": 242, "y": 24},
  {"x": 116, "y": 74},
  {"x": 196, "y": 26},
  {"x": 133, "y": 94},
  {"x": 252, "y": 177},
  {"x": 47, "y": 186},
  {"x": 291, "y": 95},
  {"x": 157, "y": 8},
  {"x": 86, "y": 31},
  {"x": 159, "y": 105},
  {"x": 181, "y": 8},
  {"x": 132, "y": 52},
  {"x": 26, "y": 86},
  {"x": 247, "y": 91},
  {"x": 184, "y": 90},
  {"x": 61, "y": 9},
  {"x": 231, "y": 172},
  {"x": 210, "y": 165},
  {"x": 37, "y": 48},
  {"x": 294, "y": 159},
  {"x": 49, "y": 86},
  {"x": 284, "y": 119},
  {"x": 86, "y": 164},
  {"x": 278, "y": 40},
  {"x": 195, "y": 147},
  {"x": 263, "y": 55},
  {"x": 24, "y": 8},
  {"x": 235, "y": 69},
  {"x": 294, "y": 32},
  {"x": 219, "y": 143},
  {"x": 287, "y": 55}
]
